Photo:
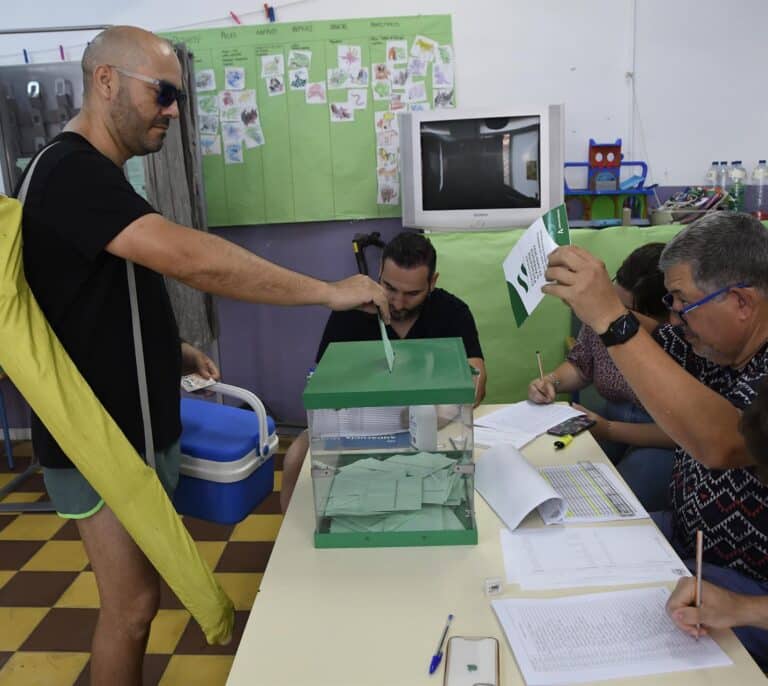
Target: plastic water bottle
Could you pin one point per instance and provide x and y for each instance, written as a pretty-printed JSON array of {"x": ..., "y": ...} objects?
[
  {"x": 760, "y": 181},
  {"x": 737, "y": 182},
  {"x": 711, "y": 176},
  {"x": 723, "y": 172}
]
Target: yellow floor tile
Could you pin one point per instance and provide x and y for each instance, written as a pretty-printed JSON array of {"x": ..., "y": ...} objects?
[
  {"x": 22, "y": 498},
  {"x": 4, "y": 576},
  {"x": 17, "y": 623},
  {"x": 7, "y": 478},
  {"x": 197, "y": 670},
  {"x": 32, "y": 527},
  {"x": 42, "y": 669},
  {"x": 166, "y": 631},
  {"x": 58, "y": 556},
  {"x": 257, "y": 528},
  {"x": 241, "y": 587},
  {"x": 82, "y": 592},
  {"x": 278, "y": 481},
  {"x": 211, "y": 551}
]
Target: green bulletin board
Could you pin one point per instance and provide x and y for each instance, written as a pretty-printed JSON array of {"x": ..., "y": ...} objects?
[{"x": 298, "y": 165}]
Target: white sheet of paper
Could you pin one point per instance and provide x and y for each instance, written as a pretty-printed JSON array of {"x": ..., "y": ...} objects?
[
  {"x": 490, "y": 437},
  {"x": 588, "y": 556},
  {"x": 600, "y": 636},
  {"x": 527, "y": 417},
  {"x": 388, "y": 352},
  {"x": 360, "y": 421},
  {"x": 511, "y": 487}
]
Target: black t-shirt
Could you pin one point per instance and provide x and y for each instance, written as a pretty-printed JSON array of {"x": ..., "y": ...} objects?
[
  {"x": 442, "y": 316},
  {"x": 77, "y": 202}
]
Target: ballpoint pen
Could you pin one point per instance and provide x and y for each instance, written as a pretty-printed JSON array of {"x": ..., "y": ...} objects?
[{"x": 438, "y": 656}]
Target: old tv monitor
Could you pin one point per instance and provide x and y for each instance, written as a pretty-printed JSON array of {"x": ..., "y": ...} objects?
[{"x": 463, "y": 169}]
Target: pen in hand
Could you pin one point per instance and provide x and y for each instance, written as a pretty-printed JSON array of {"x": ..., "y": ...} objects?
[
  {"x": 699, "y": 555},
  {"x": 541, "y": 365},
  {"x": 438, "y": 656}
]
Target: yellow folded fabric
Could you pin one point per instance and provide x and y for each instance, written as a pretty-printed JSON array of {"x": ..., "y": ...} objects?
[{"x": 41, "y": 369}]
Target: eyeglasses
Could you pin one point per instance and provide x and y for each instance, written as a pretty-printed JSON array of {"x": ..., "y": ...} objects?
[
  {"x": 668, "y": 299},
  {"x": 167, "y": 93}
]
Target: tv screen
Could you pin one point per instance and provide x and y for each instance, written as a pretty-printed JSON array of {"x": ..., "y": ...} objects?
[{"x": 490, "y": 163}]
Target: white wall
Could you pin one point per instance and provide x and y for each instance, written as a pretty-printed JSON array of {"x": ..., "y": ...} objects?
[{"x": 698, "y": 93}]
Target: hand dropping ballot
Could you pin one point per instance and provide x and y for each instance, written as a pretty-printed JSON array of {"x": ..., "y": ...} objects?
[{"x": 526, "y": 263}]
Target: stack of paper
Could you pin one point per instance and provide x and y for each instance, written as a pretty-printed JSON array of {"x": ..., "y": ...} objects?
[
  {"x": 588, "y": 556},
  {"x": 600, "y": 636},
  {"x": 521, "y": 422},
  {"x": 404, "y": 492}
]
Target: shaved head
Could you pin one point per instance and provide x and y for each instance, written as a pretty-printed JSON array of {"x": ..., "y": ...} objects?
[{"x": 128, "y": 47}]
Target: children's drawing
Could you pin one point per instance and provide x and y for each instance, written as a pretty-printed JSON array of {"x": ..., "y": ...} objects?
[
  {"x": 227, "y": 99},
  {"x": 272, "y": 65},
  {"x": 233, "y": 153},
  {"x": 444, "y": 98},
  {"x": 315, "y": 93},
  {"x": 358, "y": 77},
  {"x": 418, "y": 107},
  {"x": 249, "y": 116},
  {"x": 357, "y": 98},
  {"x": 382, "y": 90},
  {"x": 253, "y": 136},
  {"x": 340, "y": 111},
  {"x": 210, "y": 145},
  {"x": 445, "y": 54},
  {"x": 299, "y": 59},
  {"x": 397, "y": 50},
  {"x": 416, "y": 91},
  {"x": 389, "y": 194},
  {"x": 396, "y": 102},
  {"x": 208, "y": 104},
  {"x": 232, "y": 132},
  {"x": 424, "y": 47},
  {"x": 275, "y": 85},
  {"x": 205, "y": 80},
  {"x": 349, "y": 57},
  {"x": 337, "y": 78},
  {"x": 387, "y": 156},
  {"x": 417, "y": 66},
  {"x": 380, "y": 71},
  {"x": 385, "y": 121},
  {"x": 442, "y": 76},
  {"x": 399, "y": 77},
  {"x": 234, "y": 78},
  {"x": 209, "y": 123},
  {"x": 387, "y": 139},
  {"x": 298, "y": 78}
]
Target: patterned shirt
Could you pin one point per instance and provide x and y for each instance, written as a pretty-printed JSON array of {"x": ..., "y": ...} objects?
[
  {"x": 730, "y": 506},
  {"x": 594, "y": 363}
]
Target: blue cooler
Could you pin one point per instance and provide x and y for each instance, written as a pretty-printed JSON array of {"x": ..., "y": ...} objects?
[{"x": 226, "y": 470}]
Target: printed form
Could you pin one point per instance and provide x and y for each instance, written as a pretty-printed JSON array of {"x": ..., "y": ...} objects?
[{"x": 600, "y": 636}]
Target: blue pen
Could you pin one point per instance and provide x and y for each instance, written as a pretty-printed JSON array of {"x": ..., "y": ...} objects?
[{"x": 438, "y": 656}]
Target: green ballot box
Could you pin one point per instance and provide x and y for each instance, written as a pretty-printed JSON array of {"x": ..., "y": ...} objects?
[{"x": 392, "y": 451}]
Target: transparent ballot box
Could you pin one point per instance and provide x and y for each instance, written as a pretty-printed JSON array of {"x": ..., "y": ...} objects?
[{"x": 391, "y": 451}]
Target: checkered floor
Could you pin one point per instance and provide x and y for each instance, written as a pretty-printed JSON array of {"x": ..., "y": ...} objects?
[{"x": 48, "y": 597}]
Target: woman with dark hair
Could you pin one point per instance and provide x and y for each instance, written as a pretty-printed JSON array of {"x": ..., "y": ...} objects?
[{"x": 625, "y": 431}]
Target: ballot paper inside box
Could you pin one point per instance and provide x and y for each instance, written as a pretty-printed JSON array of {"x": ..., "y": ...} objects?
[{"x": 391, "y": 451}]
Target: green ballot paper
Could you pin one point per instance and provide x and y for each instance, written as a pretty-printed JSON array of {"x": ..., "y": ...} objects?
[{"x": 388, "y": 352}]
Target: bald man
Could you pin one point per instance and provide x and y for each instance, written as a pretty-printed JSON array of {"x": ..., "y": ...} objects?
[{"x": 82, "y": 221}]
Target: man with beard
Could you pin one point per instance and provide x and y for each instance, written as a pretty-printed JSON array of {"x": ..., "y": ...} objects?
[
  {"x": 694, "y": 376},
  {"x": 418, "y": 310},
  {"x": 82, "y": 221}
]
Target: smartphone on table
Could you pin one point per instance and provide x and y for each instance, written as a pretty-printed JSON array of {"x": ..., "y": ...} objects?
[{"x": 572, "y": 426}]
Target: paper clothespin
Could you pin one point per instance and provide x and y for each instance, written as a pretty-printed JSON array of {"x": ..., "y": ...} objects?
[
  {"x": 235, "y": 17},
  {"x": 26, "y": 55},
  {"x": 61, "y": 52}
]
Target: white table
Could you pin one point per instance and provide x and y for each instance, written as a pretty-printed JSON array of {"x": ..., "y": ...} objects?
[{"x": 372, "y": 616}]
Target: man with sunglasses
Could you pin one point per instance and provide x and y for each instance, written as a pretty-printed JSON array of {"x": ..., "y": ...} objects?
[
  {"x": 82, "y": 221},
  {"x": 695, "y": 376}
]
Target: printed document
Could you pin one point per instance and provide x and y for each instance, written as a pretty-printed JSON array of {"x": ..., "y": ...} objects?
[
  {"x": 600, "y": 636},
  {"x": 588, "y": 556},
  {"x": 527, "y": 417}
]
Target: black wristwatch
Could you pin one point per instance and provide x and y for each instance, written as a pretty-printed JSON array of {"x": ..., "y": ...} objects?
[{"x": 620, "y": 330}]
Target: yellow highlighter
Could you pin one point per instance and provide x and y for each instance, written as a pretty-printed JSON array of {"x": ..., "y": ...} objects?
[{"x": 563, "y": 441}]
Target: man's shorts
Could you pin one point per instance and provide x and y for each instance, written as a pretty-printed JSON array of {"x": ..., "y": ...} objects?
[{"x": 74, "y": 498}]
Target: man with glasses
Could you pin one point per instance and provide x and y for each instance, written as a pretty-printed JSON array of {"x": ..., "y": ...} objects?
[
  {"x": 82, "y": 221},
  {"x": 695, "y": 376}
]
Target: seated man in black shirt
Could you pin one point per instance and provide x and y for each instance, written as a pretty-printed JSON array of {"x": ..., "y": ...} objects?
[{"x": 417, "y": 309}]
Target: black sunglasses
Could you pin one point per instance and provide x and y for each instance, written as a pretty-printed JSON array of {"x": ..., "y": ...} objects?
[{"x": 167, "y": 93}]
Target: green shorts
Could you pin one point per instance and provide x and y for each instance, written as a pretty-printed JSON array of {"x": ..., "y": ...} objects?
[{"x": 74, "y": 498}]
